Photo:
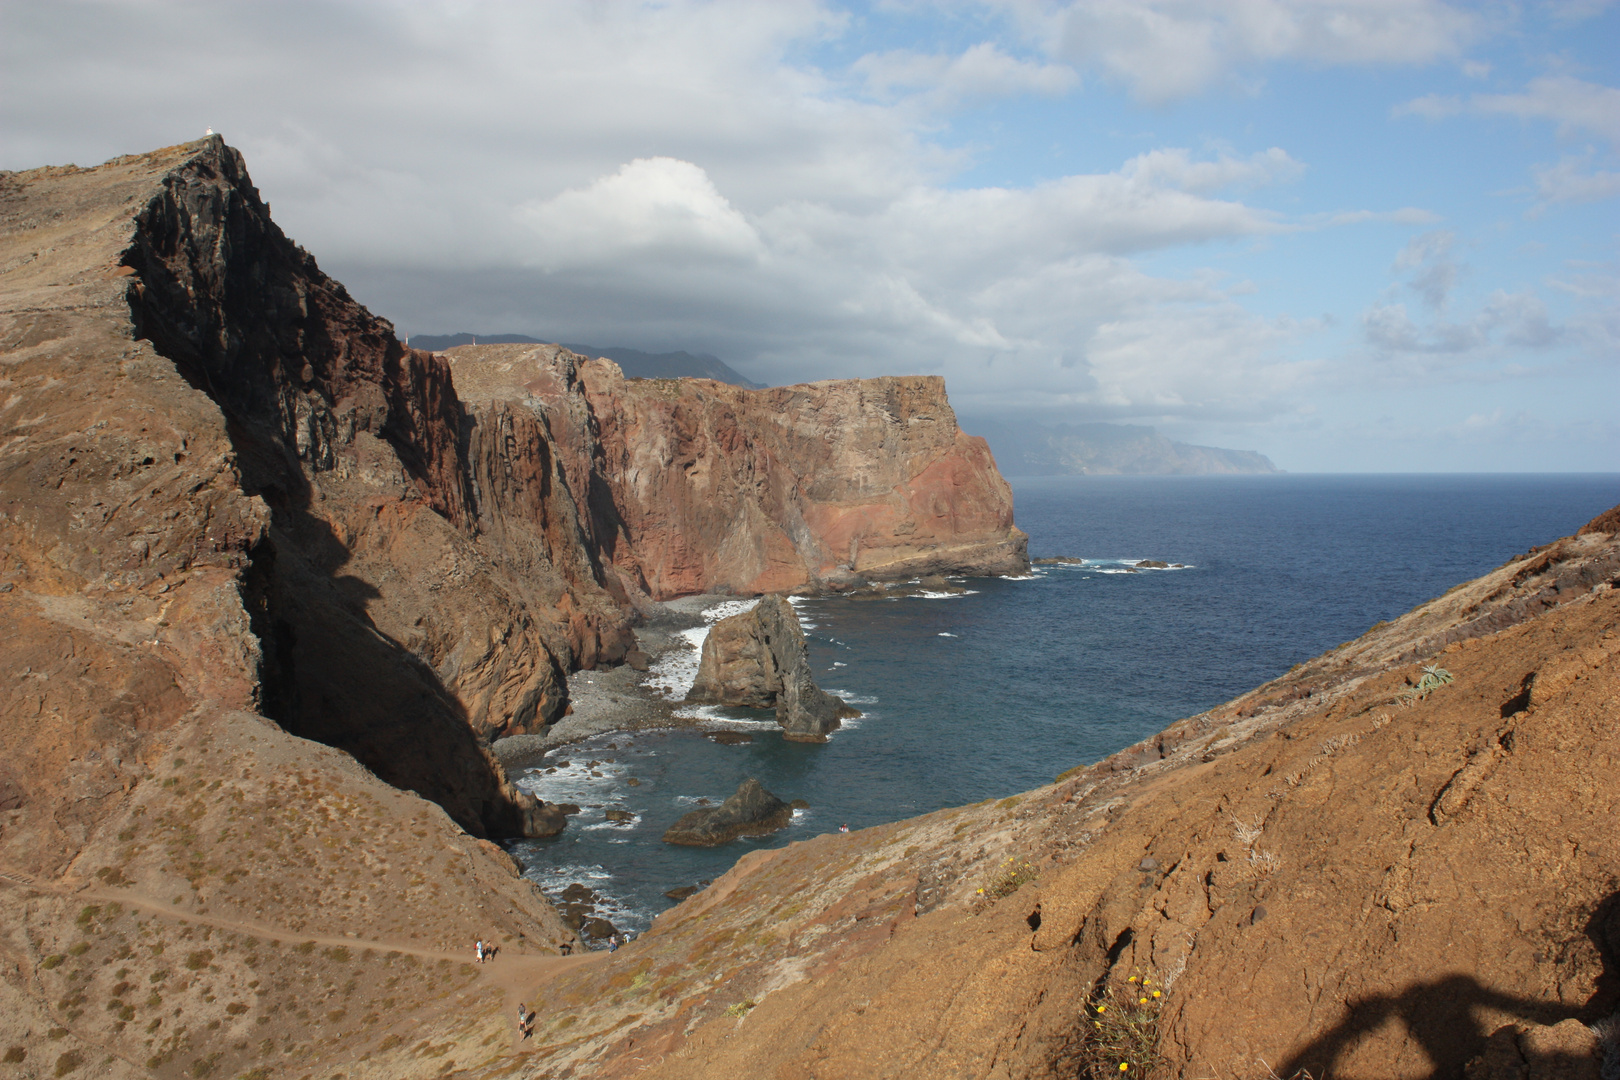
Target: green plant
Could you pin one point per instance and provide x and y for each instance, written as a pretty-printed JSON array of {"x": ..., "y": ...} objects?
[
  {"x": 1122, "y": 1033},
  {"x": 1434, "y": 677},
  {"x": 741, "y": 1008}
]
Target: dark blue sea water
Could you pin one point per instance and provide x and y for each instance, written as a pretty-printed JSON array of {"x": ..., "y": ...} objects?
[{"x": 996, "y": 691}]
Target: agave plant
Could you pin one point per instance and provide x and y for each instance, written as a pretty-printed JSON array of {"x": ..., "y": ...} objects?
[{"x": 1434, "y": 677}]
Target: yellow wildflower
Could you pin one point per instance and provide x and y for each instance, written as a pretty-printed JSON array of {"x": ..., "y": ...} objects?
[
  {"x": 1102, "y": 1009},
  {"x": 1155, "y": 993},
  {"x": 1131, "y": 979},
  {"x": 1124, "y": 1066},
  {"x": 1141, "y": 1001}
]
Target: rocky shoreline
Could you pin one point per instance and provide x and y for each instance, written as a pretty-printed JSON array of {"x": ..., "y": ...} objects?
[{"x": 617, "y": 698}]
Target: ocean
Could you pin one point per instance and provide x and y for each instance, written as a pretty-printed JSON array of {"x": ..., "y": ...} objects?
[{"x": 997, "y": 689}]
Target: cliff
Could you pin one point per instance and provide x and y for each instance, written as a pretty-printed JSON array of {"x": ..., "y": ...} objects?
[
  {"x": 268, "y": 587},
  {"x": 1363, "y": 869},
  {"x": 237, "y": 521},
  {"x": 695, "y": 486}
]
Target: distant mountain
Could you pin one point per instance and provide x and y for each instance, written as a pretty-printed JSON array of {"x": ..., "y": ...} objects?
[
  {"x": 1032, "y": 449},
  {"x": 636, "y": 364}
]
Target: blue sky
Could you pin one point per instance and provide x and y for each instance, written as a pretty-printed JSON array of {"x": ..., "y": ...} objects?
[{"x": 1354, "y": 236}]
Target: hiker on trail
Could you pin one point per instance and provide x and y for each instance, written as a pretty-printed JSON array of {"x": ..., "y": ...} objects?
[
  {"x": 613, "y": 943},
  {"x": 478, "y": 950},
  {"x": 843, "y": 828}
]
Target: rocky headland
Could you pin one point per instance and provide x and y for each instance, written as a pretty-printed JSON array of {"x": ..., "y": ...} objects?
[
  {"x": 691, "y": 486},
  {"x": 271, "y": 583},
  {"x": 270, "y": 587}
]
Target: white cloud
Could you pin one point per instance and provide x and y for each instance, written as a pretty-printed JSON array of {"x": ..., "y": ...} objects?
[
  {"x": 1176, "y": 168},
  {"x": 979, "y": 72},
  {"x": 1519, "y": 320},
  {"x": 1573, "y": 104},
  {"x": 1430, "y": 255},
  {"x": 718, "y": 176},
  {"x": 651, "y": 208},
  {"x": 1163, "y": 50},
  {"x": 1571, "y": 181},
  {"x": 1431, "y": 107}
]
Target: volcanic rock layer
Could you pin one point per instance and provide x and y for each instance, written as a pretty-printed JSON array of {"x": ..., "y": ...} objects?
[{"x": 696, "y": 486}]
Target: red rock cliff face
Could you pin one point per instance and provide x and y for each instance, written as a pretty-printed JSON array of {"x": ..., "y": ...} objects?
[
  {"x": 697, "y": 486},
  {"x": 202, "y": 419},
  {"x": 213, "y": 448}
]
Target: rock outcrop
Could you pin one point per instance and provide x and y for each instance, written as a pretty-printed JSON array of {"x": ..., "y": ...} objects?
[
  {"x": 757, "y": 659},
  {"x": 695, "y": 486},
  {"x": 237, "y": 522},
  {"x": 751, "y": 811}
]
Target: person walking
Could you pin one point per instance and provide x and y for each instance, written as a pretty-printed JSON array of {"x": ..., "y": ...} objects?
[{"x": 478, "y": 950}]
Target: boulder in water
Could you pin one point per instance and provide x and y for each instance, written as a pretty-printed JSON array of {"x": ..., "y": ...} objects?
[
  {"x": 758, "y": 659},
  {"x": 752, "y": 811}
]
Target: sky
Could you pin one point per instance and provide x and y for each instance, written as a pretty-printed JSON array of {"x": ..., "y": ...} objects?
[{"x": 1362, "y": 236}]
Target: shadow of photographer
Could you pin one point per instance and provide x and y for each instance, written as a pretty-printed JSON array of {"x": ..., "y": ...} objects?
[{"x": 1466, "y": 1028}]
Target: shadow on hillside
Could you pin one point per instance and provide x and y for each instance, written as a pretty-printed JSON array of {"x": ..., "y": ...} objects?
[
  {"x": 1446, "y": 1017},
  {"x": 249, "y": 320}
]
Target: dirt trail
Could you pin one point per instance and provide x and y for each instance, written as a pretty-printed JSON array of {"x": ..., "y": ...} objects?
[{"x": 519, "y": 976}]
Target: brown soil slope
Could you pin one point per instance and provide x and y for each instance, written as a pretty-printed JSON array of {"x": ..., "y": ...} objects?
[
  {"x": 209, "y": 513},
  {"x": 1335, "y": 875},
  {"x": 698, "y": 486}
]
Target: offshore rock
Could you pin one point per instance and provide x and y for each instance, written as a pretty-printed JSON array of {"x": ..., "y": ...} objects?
[
  {"x": 751, "y": 811},
  {"x": 690, "y": 486},
  {"x": 758, "y": 660}
]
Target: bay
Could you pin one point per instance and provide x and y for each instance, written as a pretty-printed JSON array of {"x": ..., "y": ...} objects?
[{"x": 998, "y": 689}]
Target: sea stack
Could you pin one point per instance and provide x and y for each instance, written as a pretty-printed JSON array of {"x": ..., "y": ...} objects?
[
  {"x": 751, "y": 811},
  {"x": 758, "y": 660}
]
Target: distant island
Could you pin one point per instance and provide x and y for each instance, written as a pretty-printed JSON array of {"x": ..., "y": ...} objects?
[
  {"x": 635, "y": 363},
  {"x": 1032, "y": 449}
]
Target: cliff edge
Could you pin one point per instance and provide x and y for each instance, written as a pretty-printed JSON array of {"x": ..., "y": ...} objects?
[{"x": 697, "y": 486}]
